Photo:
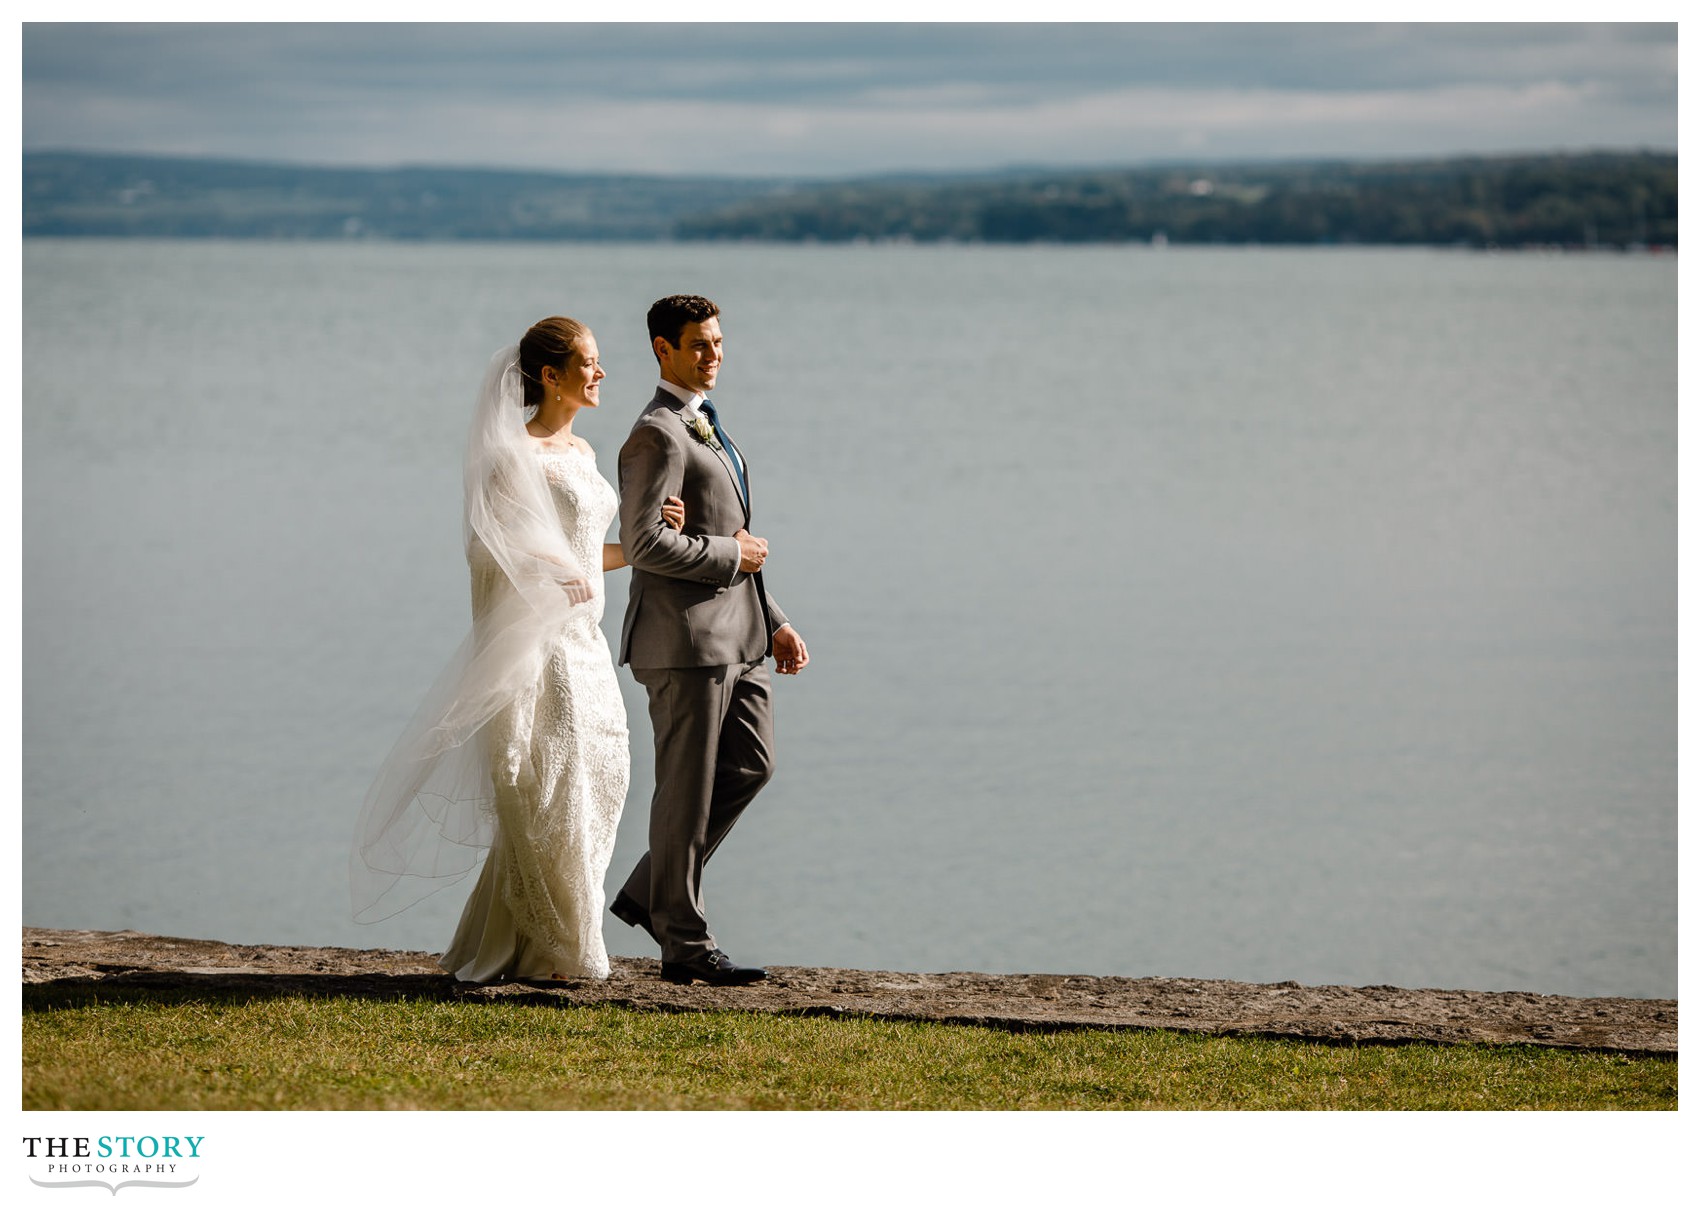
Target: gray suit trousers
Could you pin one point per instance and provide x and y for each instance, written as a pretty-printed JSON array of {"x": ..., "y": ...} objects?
[{"x": 713, "y": 752}]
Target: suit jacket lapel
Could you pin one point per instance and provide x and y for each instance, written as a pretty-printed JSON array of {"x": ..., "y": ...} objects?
[
  {"x": 719, "y": 452},
  {"x": 666, "y": 399}
]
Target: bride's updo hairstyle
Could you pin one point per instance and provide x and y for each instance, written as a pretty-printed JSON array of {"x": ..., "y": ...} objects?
[{"x": 550, "y": 342}]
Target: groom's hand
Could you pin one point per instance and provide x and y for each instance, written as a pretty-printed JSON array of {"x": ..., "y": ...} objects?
[
  {"x": 790, "y": 654},
  {"x": 752, "y": 552}
]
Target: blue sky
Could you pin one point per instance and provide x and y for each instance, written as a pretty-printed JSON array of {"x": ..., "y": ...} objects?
[{"x": 834, "y": 100}]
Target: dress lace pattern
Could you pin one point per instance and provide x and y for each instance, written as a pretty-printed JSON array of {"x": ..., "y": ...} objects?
[{"x": 560, "y": 760}]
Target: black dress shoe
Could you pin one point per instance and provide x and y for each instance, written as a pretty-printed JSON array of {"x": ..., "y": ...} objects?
[
  {"x": 631, "y": 913},
  {"x": 716, "y": 968}
]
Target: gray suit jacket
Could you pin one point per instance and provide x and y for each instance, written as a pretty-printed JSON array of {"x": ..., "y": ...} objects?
[{"x": 689, "y": 604}]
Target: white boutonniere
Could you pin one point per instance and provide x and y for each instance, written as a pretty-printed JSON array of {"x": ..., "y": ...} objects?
[{"x": 700, "y": 426}]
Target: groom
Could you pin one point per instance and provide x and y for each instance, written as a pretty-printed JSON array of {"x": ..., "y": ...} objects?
[{"x": 699, "y": 628}]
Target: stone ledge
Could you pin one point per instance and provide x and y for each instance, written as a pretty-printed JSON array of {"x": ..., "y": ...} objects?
[{"x": 1335, "y": 1014}]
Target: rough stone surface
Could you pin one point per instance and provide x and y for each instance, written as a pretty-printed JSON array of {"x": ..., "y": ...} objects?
[{"x": 1379, "y": 1014}]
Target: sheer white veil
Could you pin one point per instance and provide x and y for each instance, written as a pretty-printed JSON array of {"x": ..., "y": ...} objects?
[{"x": 428, "y": 817}]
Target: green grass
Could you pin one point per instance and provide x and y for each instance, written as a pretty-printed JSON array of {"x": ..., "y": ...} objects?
[{"x": 82, "y": 1051}]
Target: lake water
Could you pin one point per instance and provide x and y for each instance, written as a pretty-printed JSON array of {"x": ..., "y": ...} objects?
[{"x": 1272, "y": 615}]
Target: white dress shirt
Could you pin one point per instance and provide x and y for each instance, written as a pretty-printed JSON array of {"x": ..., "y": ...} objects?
[{"x": 690, "y": 399}]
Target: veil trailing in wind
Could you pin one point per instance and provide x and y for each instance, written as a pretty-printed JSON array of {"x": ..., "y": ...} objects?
[{"x": 429, "y": 815}]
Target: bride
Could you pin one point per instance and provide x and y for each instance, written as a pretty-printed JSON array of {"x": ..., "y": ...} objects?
[{"x": 520, "y": 748}]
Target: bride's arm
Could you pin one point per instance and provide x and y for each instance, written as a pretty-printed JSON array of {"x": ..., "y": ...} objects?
[
  {"x": 672, "y": 513},
  {"x": 506, "y": 522}
]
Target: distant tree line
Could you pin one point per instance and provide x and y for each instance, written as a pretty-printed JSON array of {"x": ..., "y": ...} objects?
[
  {"x": 1607, "y": 199},
  {"x": 82, "y": 194}
]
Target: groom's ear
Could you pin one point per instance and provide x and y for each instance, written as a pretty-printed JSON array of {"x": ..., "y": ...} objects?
[{"x": 660, "y": 346}]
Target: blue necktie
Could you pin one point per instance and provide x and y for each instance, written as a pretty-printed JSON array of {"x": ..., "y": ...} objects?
[{"x": 707, "y": 407}]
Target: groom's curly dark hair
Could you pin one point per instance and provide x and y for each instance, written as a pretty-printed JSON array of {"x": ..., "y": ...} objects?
[{"x": 668, "y": 317}]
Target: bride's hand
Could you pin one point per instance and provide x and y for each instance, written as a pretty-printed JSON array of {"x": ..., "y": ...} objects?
[
  {"x": 578, "y": 592},
  {"x": 673, "y": 513}
]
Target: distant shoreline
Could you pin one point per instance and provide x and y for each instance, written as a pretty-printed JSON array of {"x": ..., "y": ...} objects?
[
  {"x": 1619, "y": 200},
  {"x": 1537, "y": 250}
]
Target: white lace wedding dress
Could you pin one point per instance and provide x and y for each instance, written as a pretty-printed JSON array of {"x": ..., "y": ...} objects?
[{"x": 560, "y": 760}]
